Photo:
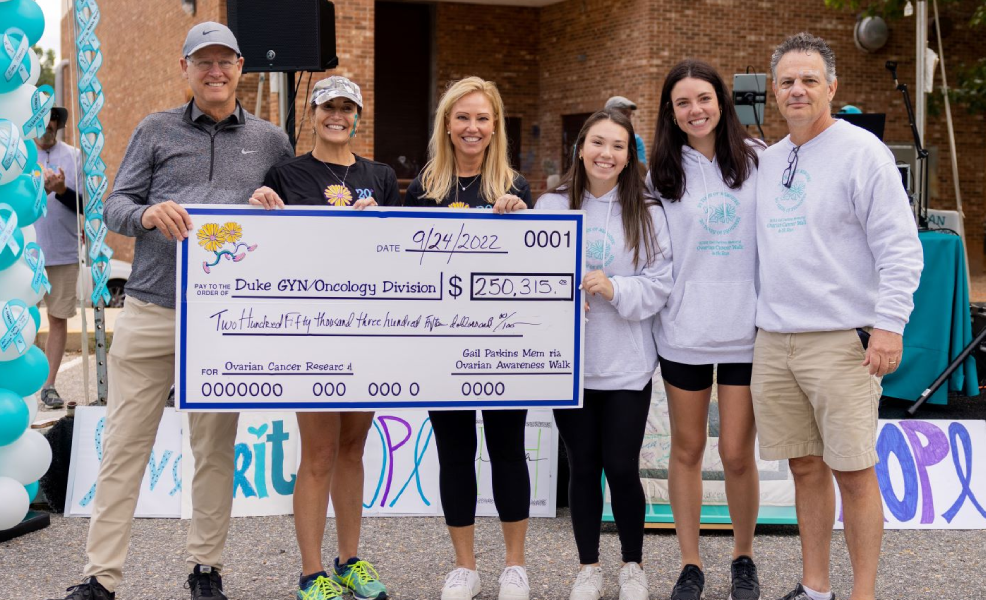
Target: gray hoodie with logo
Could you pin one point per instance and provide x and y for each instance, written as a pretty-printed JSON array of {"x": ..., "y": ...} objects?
[
  {"x": 710, "y": 316},
  {"x": 619, "y": 348}
]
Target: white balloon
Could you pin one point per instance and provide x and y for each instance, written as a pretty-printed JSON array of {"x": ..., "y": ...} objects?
[
  {"x": 14, "y": 503},
  {"x": 29, "y": 332},
  {"x": 15, "y": 282},
  {"x": 32, "y": 408},
  {"x": 16, "y": 106},
  {"x": 15, "y": 170},
  {"x": 29, "y": 233},
  {"x": 32, "y": 77},
  {"x": 27, "y": 459}
]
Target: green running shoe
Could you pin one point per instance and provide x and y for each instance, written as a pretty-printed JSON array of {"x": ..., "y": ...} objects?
[
  {"x": 321, "y": 588},
  {"x": 361, "y": 578}
]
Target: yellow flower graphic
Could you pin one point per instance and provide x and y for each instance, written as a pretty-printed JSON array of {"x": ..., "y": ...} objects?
[
  {"x": 458, "y": 205},
  {"x": 232, "y": 231},
  {"x": 338, "y": 195},
  {"x": 211, "y": 237}
]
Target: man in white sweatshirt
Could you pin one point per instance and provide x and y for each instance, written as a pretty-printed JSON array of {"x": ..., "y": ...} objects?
[{"x": 839, "y": 262}]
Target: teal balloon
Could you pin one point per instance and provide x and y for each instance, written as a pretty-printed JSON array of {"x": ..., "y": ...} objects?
[
  {"x": 25, "y": 375},
  {"x": 20, "y": 195},
  {"x": 32, "y": 154},
  {"x": 14, "y": 417},
  {"x": 32, "y": 491},
  {"x": 36, "y": 316},
  {"x": 9, "y": 85},
  {"x": 25, "y": 15},
  {"x": 7, "y": 255}
]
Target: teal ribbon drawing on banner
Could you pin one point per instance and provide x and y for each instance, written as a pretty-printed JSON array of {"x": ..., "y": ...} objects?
[
  {"x": 90, "y": 59},
  {"x": 15, "y": 326},
  {"x": 10, "y": 139},
  {"x": 16, "y": 54},
  {"x": 7, "y": 228},
  {"x": 40, "y": 107},
  {"x": 35, "y": 258}
]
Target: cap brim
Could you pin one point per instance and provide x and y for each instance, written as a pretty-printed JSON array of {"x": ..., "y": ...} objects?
[
  {"x": 207, "y": 44},
  {"x": 319, "y": 100}
]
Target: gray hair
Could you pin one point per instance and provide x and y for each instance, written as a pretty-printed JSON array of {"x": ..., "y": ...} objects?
[{"x": 808, "y": 43}]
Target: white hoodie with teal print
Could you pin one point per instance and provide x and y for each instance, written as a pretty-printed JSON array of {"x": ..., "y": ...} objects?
[
  {"x": 710, "y": 316},
  {"x": 619, "y": 348}
]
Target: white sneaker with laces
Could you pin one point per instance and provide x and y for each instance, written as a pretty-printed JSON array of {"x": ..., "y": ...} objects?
[
  {"x": 588, "y": 584},
  {"x": 514, "y": 585},
  {"x": 461, "y": 584},
  {"x": 633, "y": 583}
]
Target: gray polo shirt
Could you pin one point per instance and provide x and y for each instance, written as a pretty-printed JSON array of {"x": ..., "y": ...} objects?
[
  {"x": 174, "y": 156},
  {"x": 58, "y": 231}
]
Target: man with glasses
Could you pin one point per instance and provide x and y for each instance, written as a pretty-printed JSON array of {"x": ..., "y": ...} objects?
[
  {"x": 839, "y": 262},
  {"x": 207, "y": 151}
]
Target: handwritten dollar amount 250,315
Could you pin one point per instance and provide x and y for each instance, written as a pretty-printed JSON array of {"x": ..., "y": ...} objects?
[{"x": 437, "y": 241}]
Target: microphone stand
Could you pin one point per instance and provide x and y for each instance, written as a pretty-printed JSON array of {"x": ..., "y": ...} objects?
[{"x": 922, "y": 153}]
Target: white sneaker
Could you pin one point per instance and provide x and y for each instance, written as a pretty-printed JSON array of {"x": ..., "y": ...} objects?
[
  {"x": 461, "y": 584},
  {"x": 588, "y": 584},
  {"x": 514, "y": 585},
  {"x": 633, "y": 583}
]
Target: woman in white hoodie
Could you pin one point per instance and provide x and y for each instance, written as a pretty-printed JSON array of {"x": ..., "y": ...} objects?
[
  {"x": 703, "y": 171},
  {"x": 628, "y": 281}
]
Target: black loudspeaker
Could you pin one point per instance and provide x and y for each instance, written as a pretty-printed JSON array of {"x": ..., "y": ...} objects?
[{"x": 286, "y": 35}]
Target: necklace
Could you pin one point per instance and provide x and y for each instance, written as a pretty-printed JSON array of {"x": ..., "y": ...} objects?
[
  {"x": 469, "y": 185},
  {"x": 343, "y": 180}
]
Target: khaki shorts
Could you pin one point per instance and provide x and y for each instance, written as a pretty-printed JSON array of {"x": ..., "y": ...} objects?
[
  {"x": 62, "y": 301},
  {"x": 813, "y": 397}
]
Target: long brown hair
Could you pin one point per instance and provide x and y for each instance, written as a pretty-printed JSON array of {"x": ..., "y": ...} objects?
[
  {"x": 734, "y": 153},
  {"x": 637, "y": 223},
  {"x": 438, "y": 176}
]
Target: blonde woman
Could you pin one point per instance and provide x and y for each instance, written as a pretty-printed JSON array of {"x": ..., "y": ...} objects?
[{"x": 468, "y": 168}]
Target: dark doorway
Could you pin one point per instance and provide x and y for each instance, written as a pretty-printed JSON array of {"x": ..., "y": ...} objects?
[
  {"x": 571, "y": 125},
  {"x": 402, "y": 81},
  {"x": 513, "y": 141}
]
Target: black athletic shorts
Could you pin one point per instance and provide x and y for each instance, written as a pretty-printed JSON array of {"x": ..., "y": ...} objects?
[{"x": 695, "y": 378}]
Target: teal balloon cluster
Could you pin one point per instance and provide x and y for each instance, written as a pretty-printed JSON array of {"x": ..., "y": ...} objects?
[{"x": 24, "y": 112}]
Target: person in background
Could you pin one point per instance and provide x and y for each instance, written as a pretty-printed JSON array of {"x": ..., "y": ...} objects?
[
  {"x": 332, "y": 443},
  {"x": 468, "y": 168},
  {"x": 58, "y": 237},
  {"x": 703, "y": 171},
  {"x": 628, "y": 258},
  {"x": 629, "y": 110}
]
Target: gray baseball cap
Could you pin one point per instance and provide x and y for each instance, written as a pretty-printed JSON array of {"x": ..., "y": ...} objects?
[
  {"x": 620, "y": 102},
  {"x": 209, "y": 33},
  {"x": 336, "y": 86}
]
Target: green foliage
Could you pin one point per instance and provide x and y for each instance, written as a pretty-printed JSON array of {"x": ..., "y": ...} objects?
[
  {"x": 47, "y": 66},
  {"x": 971, "y": 88}
]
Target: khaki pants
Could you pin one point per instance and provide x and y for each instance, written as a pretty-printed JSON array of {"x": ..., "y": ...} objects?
[{"x": 141, "y": 370}]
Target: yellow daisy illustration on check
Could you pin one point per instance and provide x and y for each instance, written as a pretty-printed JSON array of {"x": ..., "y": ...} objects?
[
  {"x": 224, "y": 242},
  {"x": 338, "y": 195},
  {"x": 458, "y": 205}
]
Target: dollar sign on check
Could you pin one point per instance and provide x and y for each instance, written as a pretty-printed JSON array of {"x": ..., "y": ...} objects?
[{"x": 456, "y": 289}]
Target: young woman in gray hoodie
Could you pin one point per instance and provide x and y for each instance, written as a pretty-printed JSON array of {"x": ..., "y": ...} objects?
[
  {"x": 703, "y": 171},
  {"x": 628, "y": 264}
]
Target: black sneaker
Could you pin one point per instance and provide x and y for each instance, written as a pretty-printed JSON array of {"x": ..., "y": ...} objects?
[
  {"x": 204, "y": 583},
  {"x": 746, "y": 585},
  {"x": 51, "y": 399},
  {"x": 799, "y": 593},
  {"x": 690, "y": 584},
  {"x": 90, "y": 590}
]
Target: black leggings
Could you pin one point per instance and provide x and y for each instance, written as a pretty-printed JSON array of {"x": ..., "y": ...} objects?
[
  {"x": 455, "y": 436},
  {"x": 606, "y": 435}
]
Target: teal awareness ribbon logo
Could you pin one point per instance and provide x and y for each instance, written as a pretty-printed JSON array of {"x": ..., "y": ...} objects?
[
  {"x": 10, "y": 140},
  {"x": 35, "y": 258},
  {"x": 15, "y": 326},
  {"x": 16, "y": 54},
  {"x": 91, "y": 100},
  {"x": 7, "y": 228},
  {"x": 40, "y": 195},
  {"x": 40, "y": 107}
]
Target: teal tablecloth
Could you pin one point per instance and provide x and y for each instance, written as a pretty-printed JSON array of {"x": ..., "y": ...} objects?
[{"x": 940, "y": 326}]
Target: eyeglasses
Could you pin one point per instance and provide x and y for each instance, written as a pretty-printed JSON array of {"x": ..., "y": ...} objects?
[
  {"x": 205, "y": 66},
  {"x": 787, "y": 179}
]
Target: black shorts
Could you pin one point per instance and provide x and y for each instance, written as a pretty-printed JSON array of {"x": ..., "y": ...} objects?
[{"x": 695, "y": 378}]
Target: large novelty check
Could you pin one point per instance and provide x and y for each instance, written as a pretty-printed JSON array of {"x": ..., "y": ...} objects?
[{"x": 324, "y": 309}]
